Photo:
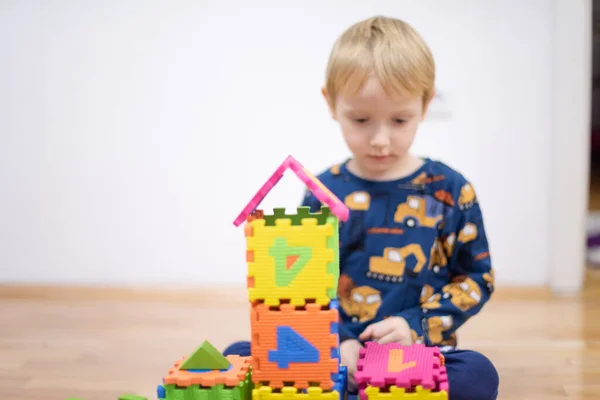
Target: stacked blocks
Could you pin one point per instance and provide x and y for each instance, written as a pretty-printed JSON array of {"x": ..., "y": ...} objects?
[
  {"x": 208, "y": 375},
  {"x": 292, "y": 281},
  {"x": 293, "y": 271},
  {"x": 393, "y": 371}
]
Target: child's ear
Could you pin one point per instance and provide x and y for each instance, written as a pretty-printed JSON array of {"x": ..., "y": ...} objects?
[{"x": 327, "y": 100}]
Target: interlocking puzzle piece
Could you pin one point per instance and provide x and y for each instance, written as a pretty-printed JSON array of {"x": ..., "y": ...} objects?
[
  {"x": 320, "y": 191},
  {"x": 132, "y": 397},
  {"x": 231, "y": 377},
  {"x": 205, "y": 357},
  {"x": 338, "y": 392},
  {"x": 297, "y": 347},
  {"x": 402, "y": 366},
  {"x": 292, "y": 393},
  {"x": 292, "y": 262},
  {"x": 243, "y": 391},
  {"x": 341, "y": 385},
  {"x": 396, "y": 393},
  {"x": 303, "y": 212}
]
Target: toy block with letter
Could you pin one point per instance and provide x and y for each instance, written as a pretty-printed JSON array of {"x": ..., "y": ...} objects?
[
  {"x": 293, "y": 271},
  {"x": 295, "y": 345},
  {"x": 293, "y": 257},
  {"x": 393, "y": 371}
]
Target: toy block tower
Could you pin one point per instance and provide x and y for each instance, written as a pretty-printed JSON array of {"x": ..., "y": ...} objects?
[
  {"x": 293, "y": 270},
  {"x": 207, "y": 375},
  {"x": 395, "y": 372}
]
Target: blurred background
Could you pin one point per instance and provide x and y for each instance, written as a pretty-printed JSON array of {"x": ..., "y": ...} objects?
[{"x": 132, "y": 135}]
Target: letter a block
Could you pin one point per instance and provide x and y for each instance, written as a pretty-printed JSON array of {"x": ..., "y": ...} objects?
[
  {"x": 399, "y": 372},
  {"x": 292, "y": 258}
]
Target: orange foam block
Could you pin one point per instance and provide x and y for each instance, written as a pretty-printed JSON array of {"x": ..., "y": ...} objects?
[
  {"x": 295, "y": 345},
  {"x": 235, "y": 374}
]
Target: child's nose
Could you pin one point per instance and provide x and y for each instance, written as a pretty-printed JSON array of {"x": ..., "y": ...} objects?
[{"x": 381, "y": 138}]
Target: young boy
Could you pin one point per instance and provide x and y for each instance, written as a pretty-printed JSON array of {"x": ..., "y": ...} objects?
[{"x": 414, "y": 257}]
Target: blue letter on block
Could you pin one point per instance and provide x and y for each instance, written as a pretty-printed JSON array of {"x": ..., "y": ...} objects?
[{"x": 292, "y": 347}]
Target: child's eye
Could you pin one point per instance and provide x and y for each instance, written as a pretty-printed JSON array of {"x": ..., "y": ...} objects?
[
  {"x": 360, "y": 120},
  {"x": 399, "y": 121}
]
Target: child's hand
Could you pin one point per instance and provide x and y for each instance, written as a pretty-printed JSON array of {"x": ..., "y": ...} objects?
[
  {"x": 389, "y": 330},
  {"x": 349, "y": 350}
]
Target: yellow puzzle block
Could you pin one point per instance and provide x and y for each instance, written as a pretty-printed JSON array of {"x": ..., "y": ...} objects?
[
  {"x": 291, "y": 393},
  {"x": 396, "y": 393},
  {"x": 289, "y": 261}
]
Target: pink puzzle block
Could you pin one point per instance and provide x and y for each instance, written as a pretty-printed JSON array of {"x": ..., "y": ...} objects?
[
  {"x": 402, "y": 366},
  {"x": 321, "y": 192}
]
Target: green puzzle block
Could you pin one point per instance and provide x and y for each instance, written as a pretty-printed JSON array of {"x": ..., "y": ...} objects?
[
  {"x": 303, "y": 213},
  {"x": 205, "y": 357},
  {"x": 243, "y": 391},
  {"x": 333, "y": 267},
  {"x": 132, "y": 397}
]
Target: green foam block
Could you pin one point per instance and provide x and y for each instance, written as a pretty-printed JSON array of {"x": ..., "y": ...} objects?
[
  {"x": 205, "y": 357},
  {"x": 243, "y": 391}
]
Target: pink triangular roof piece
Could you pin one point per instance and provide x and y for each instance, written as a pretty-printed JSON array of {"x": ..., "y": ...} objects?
[{"x": 321, "y": 192}]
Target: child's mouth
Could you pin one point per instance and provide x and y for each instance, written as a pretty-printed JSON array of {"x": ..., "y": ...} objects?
[{"x": 380, "y": 158}]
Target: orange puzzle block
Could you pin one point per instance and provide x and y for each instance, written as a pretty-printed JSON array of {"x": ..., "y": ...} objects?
[
  {"x": 235, "y": 374},
  {"x": 295, "y": 346}
]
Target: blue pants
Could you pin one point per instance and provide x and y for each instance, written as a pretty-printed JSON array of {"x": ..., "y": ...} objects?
[{"x": 471, "y": 376}]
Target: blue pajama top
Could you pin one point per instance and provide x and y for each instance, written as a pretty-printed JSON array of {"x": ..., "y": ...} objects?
[{"x": 413, "y": 247}]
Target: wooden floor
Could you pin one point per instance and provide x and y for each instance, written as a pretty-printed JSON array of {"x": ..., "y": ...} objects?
[{"x": 99, "y": 344}]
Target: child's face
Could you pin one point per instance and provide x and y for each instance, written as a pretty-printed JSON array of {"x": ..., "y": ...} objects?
[{"x": 379, "y": 130}]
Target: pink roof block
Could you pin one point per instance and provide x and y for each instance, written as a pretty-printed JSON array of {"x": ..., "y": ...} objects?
[
  {"x": 402, "y": 366},
  {"x": 324, "y": 195}
]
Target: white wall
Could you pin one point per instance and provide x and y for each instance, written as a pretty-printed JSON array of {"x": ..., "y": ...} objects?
[
  {"x": 570, "y": 145},
  {"x": 596, "y": 64},
  {"x": 131, "y": 137}
]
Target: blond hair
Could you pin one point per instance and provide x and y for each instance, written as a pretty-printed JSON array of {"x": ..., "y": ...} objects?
[{"x": 390, "y": 49}]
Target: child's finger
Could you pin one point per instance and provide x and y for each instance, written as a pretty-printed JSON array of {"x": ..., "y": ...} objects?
[
  {"x": 367, "y": 333},
  {"x": 376, "y": 331},
  {"x": 395, "y": 337},
  {"x": 389, "y": 338}
]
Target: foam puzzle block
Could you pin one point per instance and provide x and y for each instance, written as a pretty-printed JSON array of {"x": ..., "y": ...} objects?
[
  {"x": 232, "y": 376},
  {"x": 205, "y": 357},
  {"x": 406, "y": 367},
  {"x": 233, "y": 383},
  {"x": 295, "y": 346},
  {"x": 396, "y": 393},
  {"x": 292, "y": 262},
  {"x": 243, "y": 391},
  {"x": 292, "y": 393},
  {"x": 338, "y": 391}
]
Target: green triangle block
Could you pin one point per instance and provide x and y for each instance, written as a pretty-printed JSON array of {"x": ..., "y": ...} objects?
[{"x": 205, "y": 357}]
